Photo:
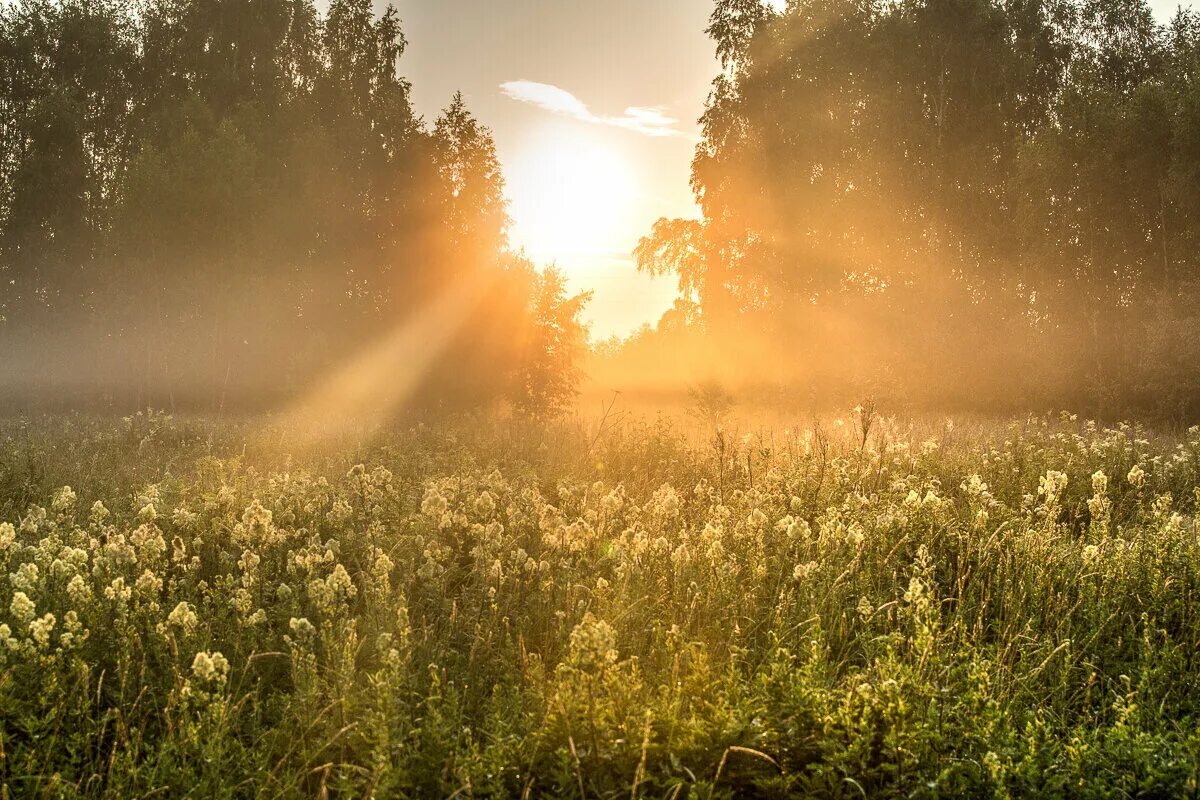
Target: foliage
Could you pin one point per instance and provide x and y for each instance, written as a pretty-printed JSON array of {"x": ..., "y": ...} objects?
[
  {"x": 711, "y": 403},
  {"x": 976, "y": 194},
  {"x": 204, "y": 200},
  {"x": 891, "y": 610},
  {"x": 546, "y": 380}
]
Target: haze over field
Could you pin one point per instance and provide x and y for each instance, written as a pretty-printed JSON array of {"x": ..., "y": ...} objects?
[
  {"x": 608, "y": 57},
  {"x": 943, "y": 214},
  {"x": 684, "y": 399}
]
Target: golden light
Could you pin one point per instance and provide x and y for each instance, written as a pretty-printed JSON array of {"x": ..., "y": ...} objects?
[
  {"x": 356, "y": 397},
  {"x": 572, "y": 195}
]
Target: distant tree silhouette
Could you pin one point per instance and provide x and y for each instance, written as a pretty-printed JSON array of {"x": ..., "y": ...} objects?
[
  {"x": 545, "y": 381},
  {"x": 984, "y": 194},
  {"x": 206, "y": 202}
]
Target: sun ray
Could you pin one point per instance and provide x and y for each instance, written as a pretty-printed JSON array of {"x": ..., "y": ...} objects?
[{"x": 359, "y": 396}]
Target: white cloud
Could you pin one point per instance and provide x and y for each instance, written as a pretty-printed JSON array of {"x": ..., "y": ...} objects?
[{"x": 647, "y": 121}]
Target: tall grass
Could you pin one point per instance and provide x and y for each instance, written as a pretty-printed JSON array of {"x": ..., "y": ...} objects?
[{"x": 471, "y": 608}]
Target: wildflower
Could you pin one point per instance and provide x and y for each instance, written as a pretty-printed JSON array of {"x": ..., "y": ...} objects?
[
  {"x": 78, "y": 591},
  {"x": 210, "y": 666},
  {"x": 1051, "y": 485},
  {"x": 7, "y": 640},
  {"x": 340, "y": 583},
  {"x": 21, "y": 607},
  {"x": 667, "y": 501},
  {"x": 117, "y": 590},
  {"x": 301, "y": 626},
  {"x": 149, "y": 585},
  {"x": 340, "y": 514},
  {"x": 613, "y": 501},
  {"x": 485, "y": 504},
  {"x": 63, "y": 500},
  {"x": 33, "y": 520},
  {"x": 802, "y": 571},
  {"x": 1090, "y": 553},
  {"x": 593, "y": 643},
  {"x": 256, "y": 518},
  {"x": 8, "y": 535},
  {"x": 336, "y": 587},
  {"x": 865, "y": 608},
  {"x": 799, "y": 529},
  {"x": 183, "y": 616},
  {"x": 993, "y": 765},
  {"x": 248, "y": 563},
  {"x": 1136, "y": 476},
  {"x": 381, "y": 567},
  {"x": 242, "y": 601},
  {"x": 975, "y": 487},
  {"x": 26, "y": 577},
  {"x": 73, "y": 631},
  {"x": 98, "y": 513},
  {"x": 183, "y": 517},
  {"x": 40, "y": 629},
  {"x": 916, "y": 591},
  {"x": 148, "y": 542},
  {"x": 429, "y": 568},
  {"x": 434, "y": 505}
]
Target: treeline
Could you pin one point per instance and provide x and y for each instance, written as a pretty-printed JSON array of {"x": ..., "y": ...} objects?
[
  {"x": 217, "y": 201},
  {"x": 955, "y": 202}
]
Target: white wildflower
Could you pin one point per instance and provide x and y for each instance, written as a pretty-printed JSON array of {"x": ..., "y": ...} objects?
[
  {"x": 41, "y": 628},
  {"x": 63, "y": 500},
  {"x": 1136, "y": 476},
  {"x": 184, "y": 617},
  {"x": 21, "y": 607},
  {"x": 210, "y": 666}
]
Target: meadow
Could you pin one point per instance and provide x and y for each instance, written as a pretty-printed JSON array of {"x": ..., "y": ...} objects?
[{"x": 470, "y": 607}]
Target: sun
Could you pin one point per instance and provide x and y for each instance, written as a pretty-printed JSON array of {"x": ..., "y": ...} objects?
[{"x": 572, "y": 195}]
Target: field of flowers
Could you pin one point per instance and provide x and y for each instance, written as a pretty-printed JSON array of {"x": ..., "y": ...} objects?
[{"x": 864, "y": 608}]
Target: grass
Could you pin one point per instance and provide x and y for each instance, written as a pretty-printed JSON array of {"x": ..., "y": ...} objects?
[{"x": 476, "y": 608}]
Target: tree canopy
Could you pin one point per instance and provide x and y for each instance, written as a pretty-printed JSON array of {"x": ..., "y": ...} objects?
[
  {"x": 967, "y": 192},
  {"x": 204, "y": 200}
]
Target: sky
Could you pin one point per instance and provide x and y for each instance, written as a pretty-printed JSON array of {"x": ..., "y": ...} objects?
[{"x": 593, "y": 107}]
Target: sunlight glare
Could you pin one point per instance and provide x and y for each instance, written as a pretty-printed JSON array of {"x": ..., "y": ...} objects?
[
  {"x": 572, "y": 195},
  {"x": 362, "y": 394}
]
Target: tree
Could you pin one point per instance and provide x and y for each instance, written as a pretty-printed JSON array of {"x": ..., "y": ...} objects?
[
  {"x": 213, "y": 200},
  {"x": 67, "y": 71},
  {"x": 895, "y": 174},
  {"x": 547, "y": 376},
  {"x": 475, "y": 213}
]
